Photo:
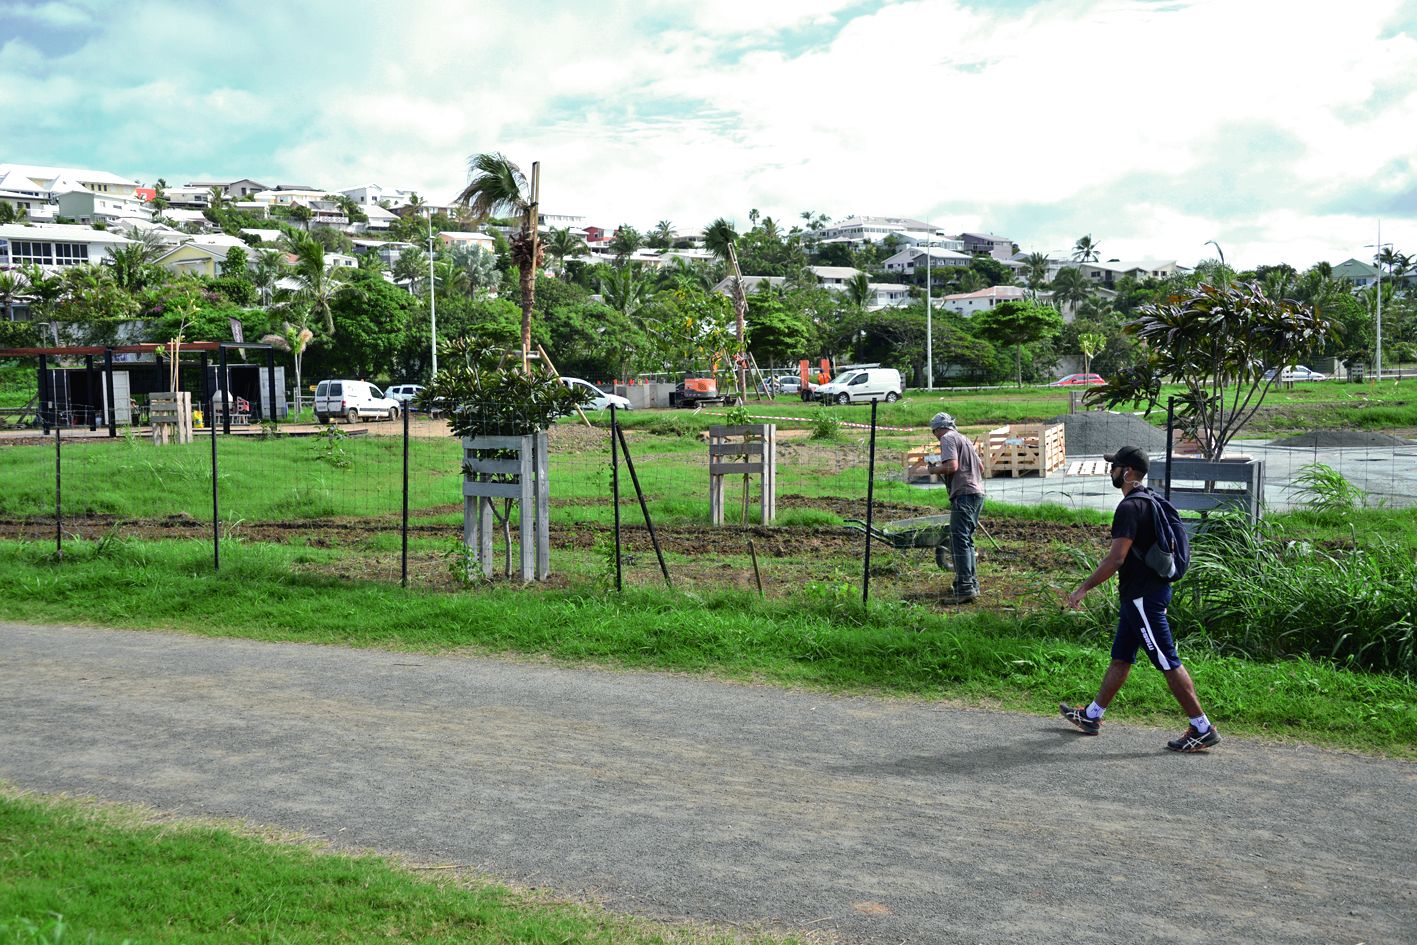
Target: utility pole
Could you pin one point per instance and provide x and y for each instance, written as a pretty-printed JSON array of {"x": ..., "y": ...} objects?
[
  {"x": 929, "y": 313},
  {"x": 432, "y": 295}
]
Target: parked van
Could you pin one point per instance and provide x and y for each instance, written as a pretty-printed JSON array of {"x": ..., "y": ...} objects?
[
  {"x": 861, "y": 386},
  {"x": 353, "y": 401}
]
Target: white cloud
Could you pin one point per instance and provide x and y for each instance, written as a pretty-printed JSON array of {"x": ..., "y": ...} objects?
[{"x": 1270, "y": 125}]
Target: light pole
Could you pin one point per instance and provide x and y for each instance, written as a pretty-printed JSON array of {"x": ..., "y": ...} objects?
[
  {"x": 929, "y": 316},
  {"x": 432, "y": 295},
  {"x": 1378, "y": 366}
]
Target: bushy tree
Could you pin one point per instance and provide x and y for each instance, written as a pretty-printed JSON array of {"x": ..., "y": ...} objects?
[{"x": 1019, "y": 324}]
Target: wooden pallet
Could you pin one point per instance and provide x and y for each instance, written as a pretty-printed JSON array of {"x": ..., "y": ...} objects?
[
  {"x": 917, "y": 466},
  {"x": 1088, "y": 467},
  {"x": 1022, "y": 449}
]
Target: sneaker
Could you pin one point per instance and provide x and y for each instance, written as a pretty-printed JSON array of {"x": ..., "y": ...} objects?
[
  {"x": 1077, "y": 714},
  {"x": 1194, "y": 740}
]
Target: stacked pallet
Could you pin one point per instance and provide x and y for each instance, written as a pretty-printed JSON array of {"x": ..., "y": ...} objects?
[
  {"x": 918, "y": 460},
  {"x": 1022, "y": 449}
]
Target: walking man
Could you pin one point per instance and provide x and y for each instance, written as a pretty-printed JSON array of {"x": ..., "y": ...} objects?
[
  {"x": 959, "y": 463},
  {"x": 1142, "y": 622}
]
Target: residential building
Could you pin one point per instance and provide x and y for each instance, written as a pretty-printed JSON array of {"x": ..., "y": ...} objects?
[
  {"x": 374, "y": 195},
  {"x": 908, "y": 260},
  {"x": 1359, "y": 273},
  {"x": 1000, "y": 247},
  {"x": 37, "y": 189},
  {"x": 862, "y": 230},
  {"x": 55, "y": 246},
  {"x": 204, "y": 255},
  {"x": 388, "y": 251},
  {"x": 834, "y": 277},
  {"x": 1107, "y": 273},
  {"x": 233, "y": 190},
  {"x": 462, "y": 238},
  {"x": 967, "y": 303}
]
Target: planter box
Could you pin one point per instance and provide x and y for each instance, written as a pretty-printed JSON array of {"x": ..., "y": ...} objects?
[
  {"x": 1204, "y": 486},
  {"x": 521, "y": 478},
  {"x": 1022, "y": 449}
]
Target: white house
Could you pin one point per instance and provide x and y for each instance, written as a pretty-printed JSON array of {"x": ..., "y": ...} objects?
[
  {"x": 235, "y": 190},
  {"x": 54, "y": 245},
  {"x": 462, "y": 238},
  {"x": 834, "y": 277},
  {"x": 373, "y": 195},
  {"x": 388, "y": 251},
  {"x": 38, "y": 190},
  {"x": 862, "y": 230},
  {"x": 1357, "y": 272},
  {"x": 887, "y": 295},
  {"x": 967, "y": 303},
  {"x": 1107, "y": 273}
]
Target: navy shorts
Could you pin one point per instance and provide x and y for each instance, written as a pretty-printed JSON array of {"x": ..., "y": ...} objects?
[{"x": 1142, "y": 623}]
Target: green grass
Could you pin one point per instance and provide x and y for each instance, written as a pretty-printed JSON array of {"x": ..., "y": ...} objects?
[
  {"x": 821, "y": 637},
  {"x": 71, "y": 872}
]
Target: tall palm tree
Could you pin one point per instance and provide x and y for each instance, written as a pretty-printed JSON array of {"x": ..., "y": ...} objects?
[
  {"x": 1035, "y": 272},
  {"x": 270, "y": 264},
  {"x": 626, "y": 290},
  {"x": 1085, "y": 250},
  {"x": 562, "y": 243},
  {"x": 663, "y": 234},
  {"x": 11, "y": 285},
  {"x": 499, "y": 186},
  {"x": 858, "y": 291},
  {"x": 217, "y": 198},
  {"x": 1071, "y": 287},
  {"x": 317, "y": 284},
  {"x": 721, "y": 238}
]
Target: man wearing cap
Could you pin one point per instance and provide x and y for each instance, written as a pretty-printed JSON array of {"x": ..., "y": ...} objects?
[
  {"x": 1142, "y": 621},
  {"x": 960, "y": 465}
]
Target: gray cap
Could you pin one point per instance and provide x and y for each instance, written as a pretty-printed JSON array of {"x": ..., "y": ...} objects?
[{"x": 941, "y": 420}]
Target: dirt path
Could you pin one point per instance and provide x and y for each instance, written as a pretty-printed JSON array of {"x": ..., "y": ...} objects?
[{"x": 882, "y": 821}]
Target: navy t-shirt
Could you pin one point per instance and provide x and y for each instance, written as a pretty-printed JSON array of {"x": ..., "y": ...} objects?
[{"x": 1133, "y": 520}]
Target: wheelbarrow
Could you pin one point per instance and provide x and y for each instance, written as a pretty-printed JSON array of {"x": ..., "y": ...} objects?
[{"x": 927, "y": 531}]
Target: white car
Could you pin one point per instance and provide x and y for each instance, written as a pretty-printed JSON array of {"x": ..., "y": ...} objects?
[
  {"x": 1296, "y": 373},
  {"x": 599, "y": 398},
  {"x": 404, "y": 393},
  {"x": 353, "y": 401}
]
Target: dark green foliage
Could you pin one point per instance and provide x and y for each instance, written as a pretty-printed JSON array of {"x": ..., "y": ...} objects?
[{"x": 483, "y": 392}]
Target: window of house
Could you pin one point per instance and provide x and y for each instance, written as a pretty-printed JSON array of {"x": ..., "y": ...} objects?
[
  {"x": 31, "y": 251},
  {"x": 70, "y": 254}
]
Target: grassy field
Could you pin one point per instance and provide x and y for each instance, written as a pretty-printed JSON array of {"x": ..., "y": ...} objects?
[{"x": 103, "y": 875}]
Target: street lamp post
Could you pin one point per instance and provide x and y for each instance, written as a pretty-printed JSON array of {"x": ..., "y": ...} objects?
[
  {"x": 929, "y": 314},
  {"x": 432, "y": 295},
  {"x": 1378, "y": 354}
]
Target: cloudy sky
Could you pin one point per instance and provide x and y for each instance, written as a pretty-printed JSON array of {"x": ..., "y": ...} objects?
[{"x": 1282, "y": 129}]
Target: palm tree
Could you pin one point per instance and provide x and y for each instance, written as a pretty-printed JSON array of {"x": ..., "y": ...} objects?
[
  {"x": 858, "y": 291},
  {"x": 562, "y": 243},
  {"x": 498, "y": 185},
  {"x": 295, "y": 339},
  {"x": 1035, "y": 272},
  {"x": 11, "y": 285},
  {"x": 626, "y": 290},
  {"x": 1089, "y": 343},
  {"x": 217, "y": 199},
  {"x": 623, "y": 244},
  {"x": 1071, "y": 287},
  {"x": 663, "y": 234},
  {"x": 270, "y": 263},
  {"x": 1085, "y": 250},
  {"x": 317, "y": 284},
  {"x": 720, "y": 238}
]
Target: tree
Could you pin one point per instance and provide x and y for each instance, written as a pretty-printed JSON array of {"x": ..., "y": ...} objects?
[
  {"x": 858, "y": 291},
  {"x": 303, "y": 214},
  {"x": 562, "y": 243},
  {"x": 370, "y": 318},
  {"x": 1219, "y": 342},
  {"x": 294, "y": 339},
  {"x": 317, "y": 284},
  {"x": 775, "y": 334},
  {"x": 1018, "y": 324},
  {"x": 1035, "y": 272},
  {"x": 1089, "y": 343},
  {"x": 235, "y": 263},
  {"x": 411, "y": 268},
  {"x": 626, "y": 240},
  {"x": 626, "y": 290},
  {"x": 1085, "y": 250},
  {"x": 663, "y": 235},
  {"x": 721, "y": 239},
  {"x": 498, "y": 185},
  {"x": 1071, "y": 287},
  {"x": 270, "y": 266},
  {"x": 12, "y": 285}
]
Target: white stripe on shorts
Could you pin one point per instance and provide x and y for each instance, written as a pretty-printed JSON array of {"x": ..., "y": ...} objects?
[{"x": 1150, "y": 638}]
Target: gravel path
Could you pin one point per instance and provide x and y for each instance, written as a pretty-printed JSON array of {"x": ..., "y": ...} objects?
[{"x": 882, "y": 821}]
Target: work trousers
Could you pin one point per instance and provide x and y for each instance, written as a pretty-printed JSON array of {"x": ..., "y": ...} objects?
[{"x": 964, "y": 519}]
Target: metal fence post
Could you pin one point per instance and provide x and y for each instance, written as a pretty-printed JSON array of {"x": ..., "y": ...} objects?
[
  {"x": 58, "y": 505},
  {"x": 1170, "y": 433},
  {"x": 615, "y": 493},
  {"x": 88, "y": 380},
  {"x": 870, "y": 501},
  {"x": 216, "y": 519},
  {"x": 403, "y": 578},
  {"x": 108, "y": 387}
]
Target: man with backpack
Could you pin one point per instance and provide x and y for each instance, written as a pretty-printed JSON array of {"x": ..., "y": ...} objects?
[{"x": 1147, "y": 543}]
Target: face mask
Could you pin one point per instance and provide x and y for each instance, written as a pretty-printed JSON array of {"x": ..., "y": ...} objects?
[{"x": 1118, "y": 478}]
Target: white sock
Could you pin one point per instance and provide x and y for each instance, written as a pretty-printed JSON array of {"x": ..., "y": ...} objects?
[
  {"x": 1201, "y": 723},
  {"x": 1095, "y": 711}
]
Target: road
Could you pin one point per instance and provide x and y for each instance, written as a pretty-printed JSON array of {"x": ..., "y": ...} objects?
[{"x": 672, "y": 797}]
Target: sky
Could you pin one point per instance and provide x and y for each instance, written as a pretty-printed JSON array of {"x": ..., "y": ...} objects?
[{"x": 1282, "y": 130}]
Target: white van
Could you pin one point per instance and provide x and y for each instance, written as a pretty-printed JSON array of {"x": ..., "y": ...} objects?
[
  {"x": 862, "y": 386},
  {"x": 352, "y": 401}
]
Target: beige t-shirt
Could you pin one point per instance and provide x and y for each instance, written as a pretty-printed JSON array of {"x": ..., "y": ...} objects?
[{"x": 969, "y": 478}]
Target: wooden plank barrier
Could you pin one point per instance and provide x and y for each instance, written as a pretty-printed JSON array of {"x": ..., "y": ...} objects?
[
  {"x": 521, "y": 478},
  {"x": 170, "y": 413},
  {"x": 743, "y": 450}
]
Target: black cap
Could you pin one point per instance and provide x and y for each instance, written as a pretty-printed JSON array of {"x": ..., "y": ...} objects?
[{"x": 1130, "y": 457}]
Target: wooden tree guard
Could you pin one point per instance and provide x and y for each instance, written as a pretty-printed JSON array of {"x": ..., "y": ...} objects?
[
  {"x": 1234, "y": 484},
  {"x": 1022, "y": 449},
  {"x": 747, "y": 450},
  {"x": 171, "y": 415},
  {"x": 521, "y": 478}
]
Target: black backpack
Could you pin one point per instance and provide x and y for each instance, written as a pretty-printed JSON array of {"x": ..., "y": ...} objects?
[{"x": 1170, "y": 556}]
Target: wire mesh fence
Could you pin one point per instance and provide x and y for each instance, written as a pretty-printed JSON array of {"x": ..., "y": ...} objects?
[{"x": 384, "y": 499}]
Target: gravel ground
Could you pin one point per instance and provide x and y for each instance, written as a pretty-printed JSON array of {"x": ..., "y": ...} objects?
[
  {"x": 672, "y": 797},
  {"x": 1094, "y": 432}
]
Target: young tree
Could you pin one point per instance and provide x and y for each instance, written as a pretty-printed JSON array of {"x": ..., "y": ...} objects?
[
  {"x": 294, "y": 339},
  {"x": 1089, "y": 343},
  {"x": 1219, "y": 342}
]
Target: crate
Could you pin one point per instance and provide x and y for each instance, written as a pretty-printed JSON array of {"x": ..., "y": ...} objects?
[
  {"x": 1022, "y": 449},
  {"x": 917, "y": 462}
]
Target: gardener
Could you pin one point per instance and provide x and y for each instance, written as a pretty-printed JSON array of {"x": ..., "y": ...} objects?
[
  {"x": 1142, "y": 622},
  {"x": 960, "y": 466}
]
